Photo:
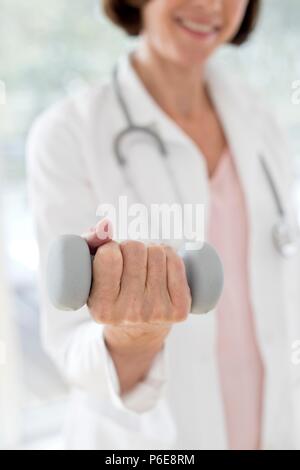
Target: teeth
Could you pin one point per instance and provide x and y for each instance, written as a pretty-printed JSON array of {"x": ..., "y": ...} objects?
[{"x": 196, "y": 27}]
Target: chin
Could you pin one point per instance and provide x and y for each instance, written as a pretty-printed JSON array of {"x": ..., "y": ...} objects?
[
  {"x": 193, "y": 58},
  {"x": 190, "y": 54}
]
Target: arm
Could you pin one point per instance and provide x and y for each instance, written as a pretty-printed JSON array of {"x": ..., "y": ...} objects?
[
  {"x": 133, "y": 354},
  {"x": 56, "y": 175}
]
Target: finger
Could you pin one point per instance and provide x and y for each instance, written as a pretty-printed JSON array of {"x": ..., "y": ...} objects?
[
  {"x": 177, "y": 285},
  {"x": 157, "y": 269},
  {"x": 107, "y": 273},
  {"x": 157, "y": 301},
  {"x": 133, "y": 280}
]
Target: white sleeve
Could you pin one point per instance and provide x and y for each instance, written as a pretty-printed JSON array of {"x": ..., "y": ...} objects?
[{"x": 63, "y": 202}]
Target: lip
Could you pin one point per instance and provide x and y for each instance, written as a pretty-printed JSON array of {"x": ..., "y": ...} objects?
[{"x": 212, "y": 32}]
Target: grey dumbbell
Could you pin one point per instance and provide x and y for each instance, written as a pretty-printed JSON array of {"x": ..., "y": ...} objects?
[{"x": 69, "y": 275}]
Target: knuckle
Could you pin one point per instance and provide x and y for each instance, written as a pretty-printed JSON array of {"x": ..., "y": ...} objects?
[
  {"x": 132, "y": 311},
  {"x": 170, "y": 251},
  {"x": 133, "y": 318},
  {"x": 160, "y": 313},
  {"x": 180, "y": 313},
  {"x": 157, "y": 253},
  {"x": 99, "y": 312},
  {"x": 108, "y": 253},
  {"x": 134, "y": 252},
  {"x": 177, "y": 261},
  {"x": 133, "y": 247}
]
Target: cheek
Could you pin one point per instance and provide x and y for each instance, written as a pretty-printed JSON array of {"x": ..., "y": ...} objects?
[
  {"x": 234, "y": 12},
  {"x": 158, "y": 21}
]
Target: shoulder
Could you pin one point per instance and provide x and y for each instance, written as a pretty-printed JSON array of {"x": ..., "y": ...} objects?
[
  {"x": 256, "y": 115},
  {"x": 237, "y": 87},
  {"x": 59, "y": 136},
  {"x": 74, "y": 112},
  {"x": 248, "y": 100}
]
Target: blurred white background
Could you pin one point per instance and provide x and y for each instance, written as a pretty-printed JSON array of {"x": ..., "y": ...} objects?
[{"x": 48, "y": 49}]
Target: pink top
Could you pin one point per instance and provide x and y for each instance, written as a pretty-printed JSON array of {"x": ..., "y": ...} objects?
[{"x": 240, "y": 365}]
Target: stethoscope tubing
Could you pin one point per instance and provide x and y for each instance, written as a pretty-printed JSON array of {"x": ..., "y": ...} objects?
[
  {"x": 134, "y": 128},
  {"x": 122, "y": 161}
]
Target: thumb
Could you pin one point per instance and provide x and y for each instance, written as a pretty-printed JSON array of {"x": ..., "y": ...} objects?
[{"x": 99, "y": 235}]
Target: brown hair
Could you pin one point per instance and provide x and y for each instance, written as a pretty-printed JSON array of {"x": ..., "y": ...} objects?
[{"x": 127, "y": 14}]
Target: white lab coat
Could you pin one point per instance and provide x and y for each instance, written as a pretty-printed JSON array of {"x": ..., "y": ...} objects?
[{"x": 72, "y": 169}]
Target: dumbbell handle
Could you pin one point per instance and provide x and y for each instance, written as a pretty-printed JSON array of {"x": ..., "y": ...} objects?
[{"x": 70, "y": 275}]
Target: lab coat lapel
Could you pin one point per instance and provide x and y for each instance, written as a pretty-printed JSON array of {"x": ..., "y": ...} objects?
[
  {"x": 153, "y": 175},
  {"x": 237, "y": 127},
  {"x": 266, "y": 267}
]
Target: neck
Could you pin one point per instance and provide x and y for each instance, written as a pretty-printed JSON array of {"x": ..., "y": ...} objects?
[{"x": 179, "y": 90}]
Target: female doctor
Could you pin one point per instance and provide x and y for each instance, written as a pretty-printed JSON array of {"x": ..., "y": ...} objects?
[{"x": 144, "y": 374}]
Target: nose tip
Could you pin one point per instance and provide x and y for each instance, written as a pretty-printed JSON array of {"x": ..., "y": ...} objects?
[
  {"x": 208, "y": 6},
  {"x": 214, "y": 5}
]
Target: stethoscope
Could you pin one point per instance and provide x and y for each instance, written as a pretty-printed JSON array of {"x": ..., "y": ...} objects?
[{"x": 285, "y": 236}]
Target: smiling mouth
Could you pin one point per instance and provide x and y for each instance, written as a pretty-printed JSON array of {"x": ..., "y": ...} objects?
[{"x": 197, "y": 28}]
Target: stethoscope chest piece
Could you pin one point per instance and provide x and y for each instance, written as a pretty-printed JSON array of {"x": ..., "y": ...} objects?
[
  {"x": 286, "y": 238},
  {"x": 285, "y": 234}
]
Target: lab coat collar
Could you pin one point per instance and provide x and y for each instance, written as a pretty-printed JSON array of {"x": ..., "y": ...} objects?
[
  {"x": 234, "y": 107},
  {"x": 143, "y": 108},
  {"x": 145, "y": 111}
]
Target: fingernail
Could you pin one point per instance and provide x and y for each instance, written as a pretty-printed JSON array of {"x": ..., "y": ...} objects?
[{"x": 102, "y": 230}]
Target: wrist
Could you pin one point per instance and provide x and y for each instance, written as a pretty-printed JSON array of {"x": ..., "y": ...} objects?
[{"x": 144, "y": 341}]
